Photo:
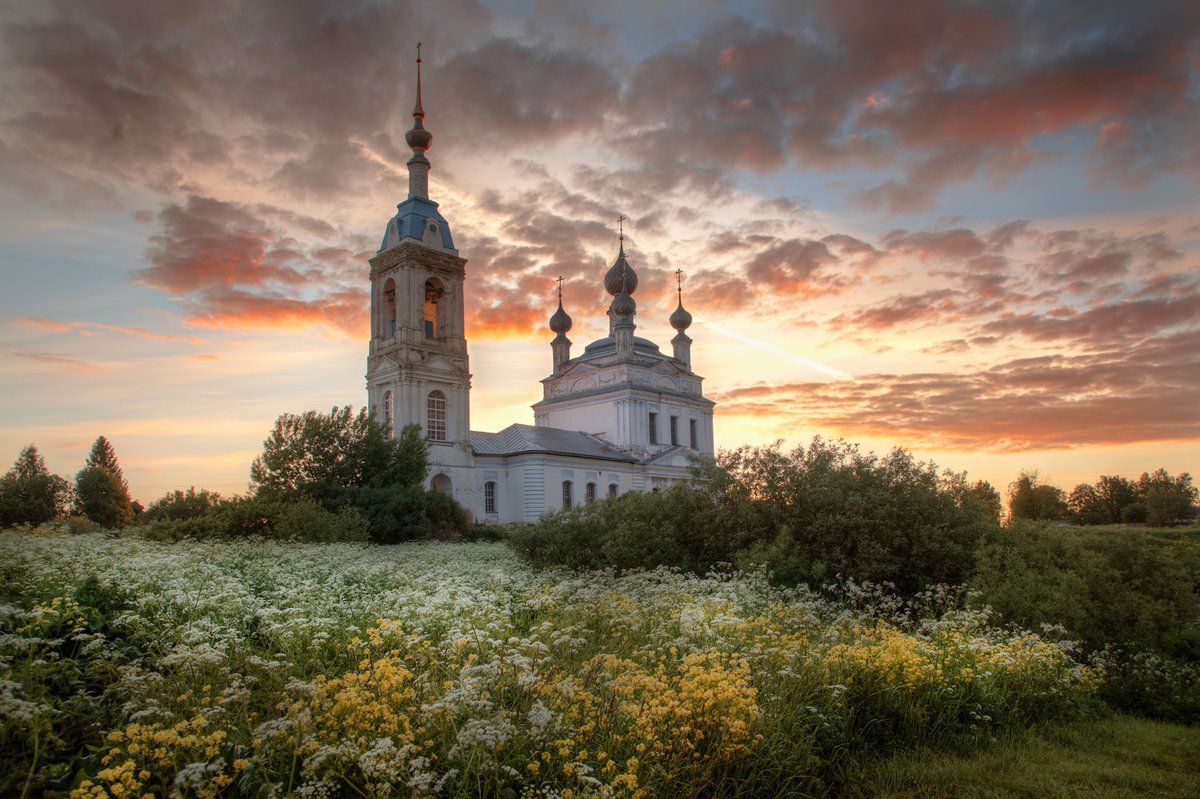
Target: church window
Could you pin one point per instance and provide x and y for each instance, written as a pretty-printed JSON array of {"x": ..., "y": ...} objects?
[
  {"x": 692, "y": 432},
  {"x": 389, "y": 308},
  {"x": 435, "y": 407},
  {"x": 433, "y": 299},
  {"x": 568, "y": 494},
  {"x": 612, "y": 489},
  {"x": 489, "y": 497},
  {"x": 590, "y": 494},
  {"x": 388, "y": 414},
  {"x": 653, "y": 427},
  {"x": 674, "y": 431}
]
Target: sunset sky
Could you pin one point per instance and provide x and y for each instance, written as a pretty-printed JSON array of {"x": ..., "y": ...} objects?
[{"x": 971, "y": 229}]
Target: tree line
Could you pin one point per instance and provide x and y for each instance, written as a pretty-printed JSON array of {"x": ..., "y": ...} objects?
[
  {"x": 335, "y": 476},
  {"x": 1156, "y": 498}
]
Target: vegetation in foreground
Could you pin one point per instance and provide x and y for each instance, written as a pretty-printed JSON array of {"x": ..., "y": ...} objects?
[
  {"x": 1111, "y": 758},
  {"x": 134, "y": 667}
]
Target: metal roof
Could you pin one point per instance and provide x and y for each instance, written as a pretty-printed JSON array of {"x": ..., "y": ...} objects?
[{"x": 519, "y": 439}]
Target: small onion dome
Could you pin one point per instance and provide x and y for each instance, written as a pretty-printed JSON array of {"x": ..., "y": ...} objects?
[
  {"x": 681, "y": 320},
  {"x": 623, "y": 305},
  {"x": 560, "y": 323},
  {"x": 418, "y": 138},
  {"x": 621, "y": 277}
]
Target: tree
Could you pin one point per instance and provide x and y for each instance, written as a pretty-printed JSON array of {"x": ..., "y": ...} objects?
[
  {"x": 102, "y": 497},
  {"x": 103, "y": 456},
  {"x": 1030, "y": 499},
  {"x": 1167, "y": 499},
  {"x": 321, "y": 455},
  {"x": 1087, "y": 506},
  {"x": 30, "y": 494},
  {"x": 101, "y": 493}
]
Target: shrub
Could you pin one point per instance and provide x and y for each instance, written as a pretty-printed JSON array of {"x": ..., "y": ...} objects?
[
  {"x": 177, "y": 504},
  {"x": 807, "y": 516},
  {"x": 1134, "y": 513},
  {"x": 1103, "y": 587}
]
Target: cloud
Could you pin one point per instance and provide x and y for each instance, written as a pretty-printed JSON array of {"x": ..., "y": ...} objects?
[
  {"x": 70, "y": 362},
  {"x": 91, "y": 328},
  {"x": 240, "y": 266},
  {"x": 1144, "y": 393},
  {"x": 343, "y": 311}
]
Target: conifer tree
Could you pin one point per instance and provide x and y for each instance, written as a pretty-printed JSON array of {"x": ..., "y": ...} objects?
[
  {"x": 101, "y": 493},
  {"x": 105, "y": 457},
  {"x": 29, "y": 493}
]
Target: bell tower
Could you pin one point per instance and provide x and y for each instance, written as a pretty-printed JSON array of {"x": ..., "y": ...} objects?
[{"x": 417, "y": 367}]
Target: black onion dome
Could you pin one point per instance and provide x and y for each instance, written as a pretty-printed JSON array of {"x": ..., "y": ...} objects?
[
  {"x": 623, "y": 305},
  {"x": 621, "y": 277},
  {"x": 560, "y": 323},
  {"x": 681, "y": 320}
]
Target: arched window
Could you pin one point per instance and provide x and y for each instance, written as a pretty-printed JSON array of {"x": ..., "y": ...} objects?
[
  {"x": 612, "y": 489},
  {"x": 389, "y": 414},
  {"x": 433, "y": 299},
  {"x": 489, "y": 497},
  {"x": 435, "y": 416},
  {"x": 568, "y": 494},
  {"x": 389, "y": 308},
  {"x": 590, "y": 492}
]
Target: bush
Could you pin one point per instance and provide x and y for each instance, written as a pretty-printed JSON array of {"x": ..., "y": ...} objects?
[
  {"x": 1104, "y": 587},
  {"x": 299, "y": 519},
  {"x": 406, "y": 513},
  {"x": 807, "y": 516},
  {"x": 177, "y": 504},
  {"x": 1134, "y": 513},
  {"x": 1149, "y": 684}
]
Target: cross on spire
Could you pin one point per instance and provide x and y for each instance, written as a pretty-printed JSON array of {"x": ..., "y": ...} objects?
[
  {"x": 621, "y": 228},
  {"x": 679, "y": 283},
  {"x": 560, "y": 282}
]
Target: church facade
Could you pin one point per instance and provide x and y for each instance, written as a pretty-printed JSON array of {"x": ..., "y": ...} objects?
[{"x": 620, "y": 416}]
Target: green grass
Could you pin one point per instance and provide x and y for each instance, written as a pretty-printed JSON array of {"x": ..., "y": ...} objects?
[{"x": 1114, "y": 757}]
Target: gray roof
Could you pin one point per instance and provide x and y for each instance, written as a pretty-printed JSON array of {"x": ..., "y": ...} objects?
[{"x": 518, "y": 439}]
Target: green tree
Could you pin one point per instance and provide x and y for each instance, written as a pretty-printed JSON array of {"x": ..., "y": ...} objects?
[
  {"x": 103, "y": 456},
  {"x": 321, "y": 455},
  {"x": 1033, "y": 500},
  {"x": 1086, "y": 505},
  {"x": 101, "y": 493},
  {"x": 102, "y": 497},
  {"x": 1167, "y": 499},
  {"x": 29, "y": 493}
]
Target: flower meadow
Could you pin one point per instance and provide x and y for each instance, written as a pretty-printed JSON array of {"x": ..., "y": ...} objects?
[{"x": 133, "y": 668}]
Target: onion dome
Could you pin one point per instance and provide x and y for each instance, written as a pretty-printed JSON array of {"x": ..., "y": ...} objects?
[
  {"x": 560, "y": 323},
  {"x": 623, "y": 305},
  {"x": 681, "y": 320},
  {"x": 621, "y": 277},
  {"x": 418, "y": 138}
]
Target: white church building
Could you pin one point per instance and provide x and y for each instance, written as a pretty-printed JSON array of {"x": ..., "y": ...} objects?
[{"x": 620, "y": 416}]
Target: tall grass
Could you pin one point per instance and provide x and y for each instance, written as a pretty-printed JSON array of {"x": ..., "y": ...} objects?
[{"x": 133, "y": 668}]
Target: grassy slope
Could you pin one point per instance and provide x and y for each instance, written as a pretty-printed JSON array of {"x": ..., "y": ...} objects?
[{"x": 1114, "y": 757}]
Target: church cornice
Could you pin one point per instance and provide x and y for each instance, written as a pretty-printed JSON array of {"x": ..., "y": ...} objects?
[
  {"x": 415, "y": 254},
  {"x": 634, "y": 389}
]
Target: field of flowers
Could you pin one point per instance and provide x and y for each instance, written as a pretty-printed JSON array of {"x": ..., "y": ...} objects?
[{"x": 136, "y": 668}]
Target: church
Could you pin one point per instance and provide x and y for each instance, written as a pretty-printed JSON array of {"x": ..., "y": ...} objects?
[{"x": 620, "y": 416}]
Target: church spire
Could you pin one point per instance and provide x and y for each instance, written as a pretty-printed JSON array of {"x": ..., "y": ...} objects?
[
  {"x": 681, "y": 320},
  {"x": 560, "y": 323},
  {"x": 419, "y": 140}
]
